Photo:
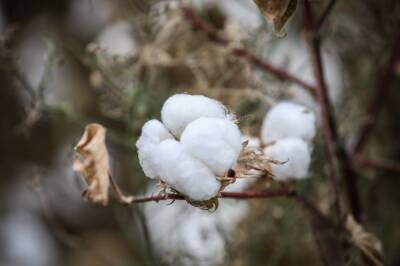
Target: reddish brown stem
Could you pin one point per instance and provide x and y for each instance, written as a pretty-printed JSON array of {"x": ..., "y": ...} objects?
[
  {"x": 325, "y": 13},
  {"x": 201, "y": 25},
  {"x": 328, "y": 121},
  {"x": 381, "y": 90},
  {"x": 282, "y": 192},
  {"x": 334, "y": 150},
  {"x": 384, "y": 164}
]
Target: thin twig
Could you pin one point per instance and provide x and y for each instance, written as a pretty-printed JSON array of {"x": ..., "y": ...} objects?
[
  {"x": 282, "y": 192},
  {"x": 201, "y": 25},
  {"x": 328, "y": 9},
  {"x": 382, "y": 164},
  {"x": 381, "y": 90}
]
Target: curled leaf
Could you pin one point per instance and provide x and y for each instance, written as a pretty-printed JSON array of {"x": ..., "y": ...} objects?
[
  {"x": 368, "y": 243},
  {"x": 277, "y": 11},
  {"x": 93, "y": 163}
]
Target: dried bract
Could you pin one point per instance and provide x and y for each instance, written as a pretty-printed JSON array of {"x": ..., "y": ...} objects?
[
  {"x": 93, "y": 163},
  {"x": 277, "y": 11}
]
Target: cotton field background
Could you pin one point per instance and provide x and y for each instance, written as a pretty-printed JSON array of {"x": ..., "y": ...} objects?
[{"x": 199, "y": 132}]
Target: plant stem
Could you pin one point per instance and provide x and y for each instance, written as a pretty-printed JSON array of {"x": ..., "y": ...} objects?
[{"x": 325, "y": 13}]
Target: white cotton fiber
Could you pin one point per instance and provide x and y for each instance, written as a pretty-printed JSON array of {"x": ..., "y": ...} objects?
[
  {"x": 181, "y": 171},
  {"x": 214, "y": 141},
  {"x": 181, "y": 109},
  {"x": 296, "y": 155},
  {"x": 153, "y": 132},
  {"x": 288, "y": 120},
  {"x": 252, "y": 142}
]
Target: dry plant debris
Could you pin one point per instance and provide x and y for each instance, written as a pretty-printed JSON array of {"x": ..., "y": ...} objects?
[{"x": 92, "y": 161}]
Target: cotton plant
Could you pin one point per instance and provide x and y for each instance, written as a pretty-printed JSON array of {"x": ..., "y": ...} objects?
[
  {"x": 287, "y": 131},
  {"x": 196, "y": 149}
]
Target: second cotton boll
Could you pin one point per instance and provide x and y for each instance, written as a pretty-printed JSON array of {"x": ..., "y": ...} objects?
[
  {"x": 288, "y": 120},
  {"x": 196, "y": 142},
  {"x": 288, "y": 129}
]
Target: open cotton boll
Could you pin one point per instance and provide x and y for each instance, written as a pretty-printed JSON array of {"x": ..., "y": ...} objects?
[
  {"x": 181, "y": 109},
  {"x": 153, "y": 132},
  {"x": 181, "y": 171},
  {"x": 288, "y": 120},
  {"x": 214, "y": 141},
  {"x": 296, "y": 155}
]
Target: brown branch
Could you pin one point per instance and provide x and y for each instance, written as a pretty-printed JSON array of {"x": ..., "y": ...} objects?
[
  {"x": 381, "y": 90},
  {"x": 328, "y": 9},
  {"x": 282, "y": 192},
  {"x": 382, "y": 164},
  {"x": 201, "y": 25}
]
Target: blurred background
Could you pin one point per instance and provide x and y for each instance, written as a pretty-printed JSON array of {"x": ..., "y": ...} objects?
[{"x": 67, "y": 63}]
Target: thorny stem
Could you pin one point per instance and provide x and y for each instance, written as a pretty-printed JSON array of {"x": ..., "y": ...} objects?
[
  {"x": 381, "y": 90},
  {"x": 201, "y": 25}
]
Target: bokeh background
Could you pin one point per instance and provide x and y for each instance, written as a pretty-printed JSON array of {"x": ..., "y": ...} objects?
[{"x": 67, "y": 63}]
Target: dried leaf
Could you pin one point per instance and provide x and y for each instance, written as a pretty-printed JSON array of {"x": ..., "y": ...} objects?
[
  {"x": 368, "y": 243},
  {"x": 277, "y": 11},
  {"x": 93, "y": 163}
]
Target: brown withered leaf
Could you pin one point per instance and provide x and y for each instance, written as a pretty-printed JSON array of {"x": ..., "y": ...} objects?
[
  {"x": 277, "y": 11},
  {"x": 92, "y": 161},
  {"x": 369, "y": 244}
]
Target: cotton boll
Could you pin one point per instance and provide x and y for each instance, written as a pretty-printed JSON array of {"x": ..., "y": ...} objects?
[
  {"x": 296, "y": 155},
  {"x": 288, "y": 120},
  {"x": 153, "y": 132},
  {"x": 118, "y": 40},
  {"x": 215, "y": 142},
  {"x": 185, "y": 173},
  {"x": 181, "y": 109},
  {"x": 183, "y": 235},
  {"x": 86, "y": 18},
  {"x": 201, "y": 236}
]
